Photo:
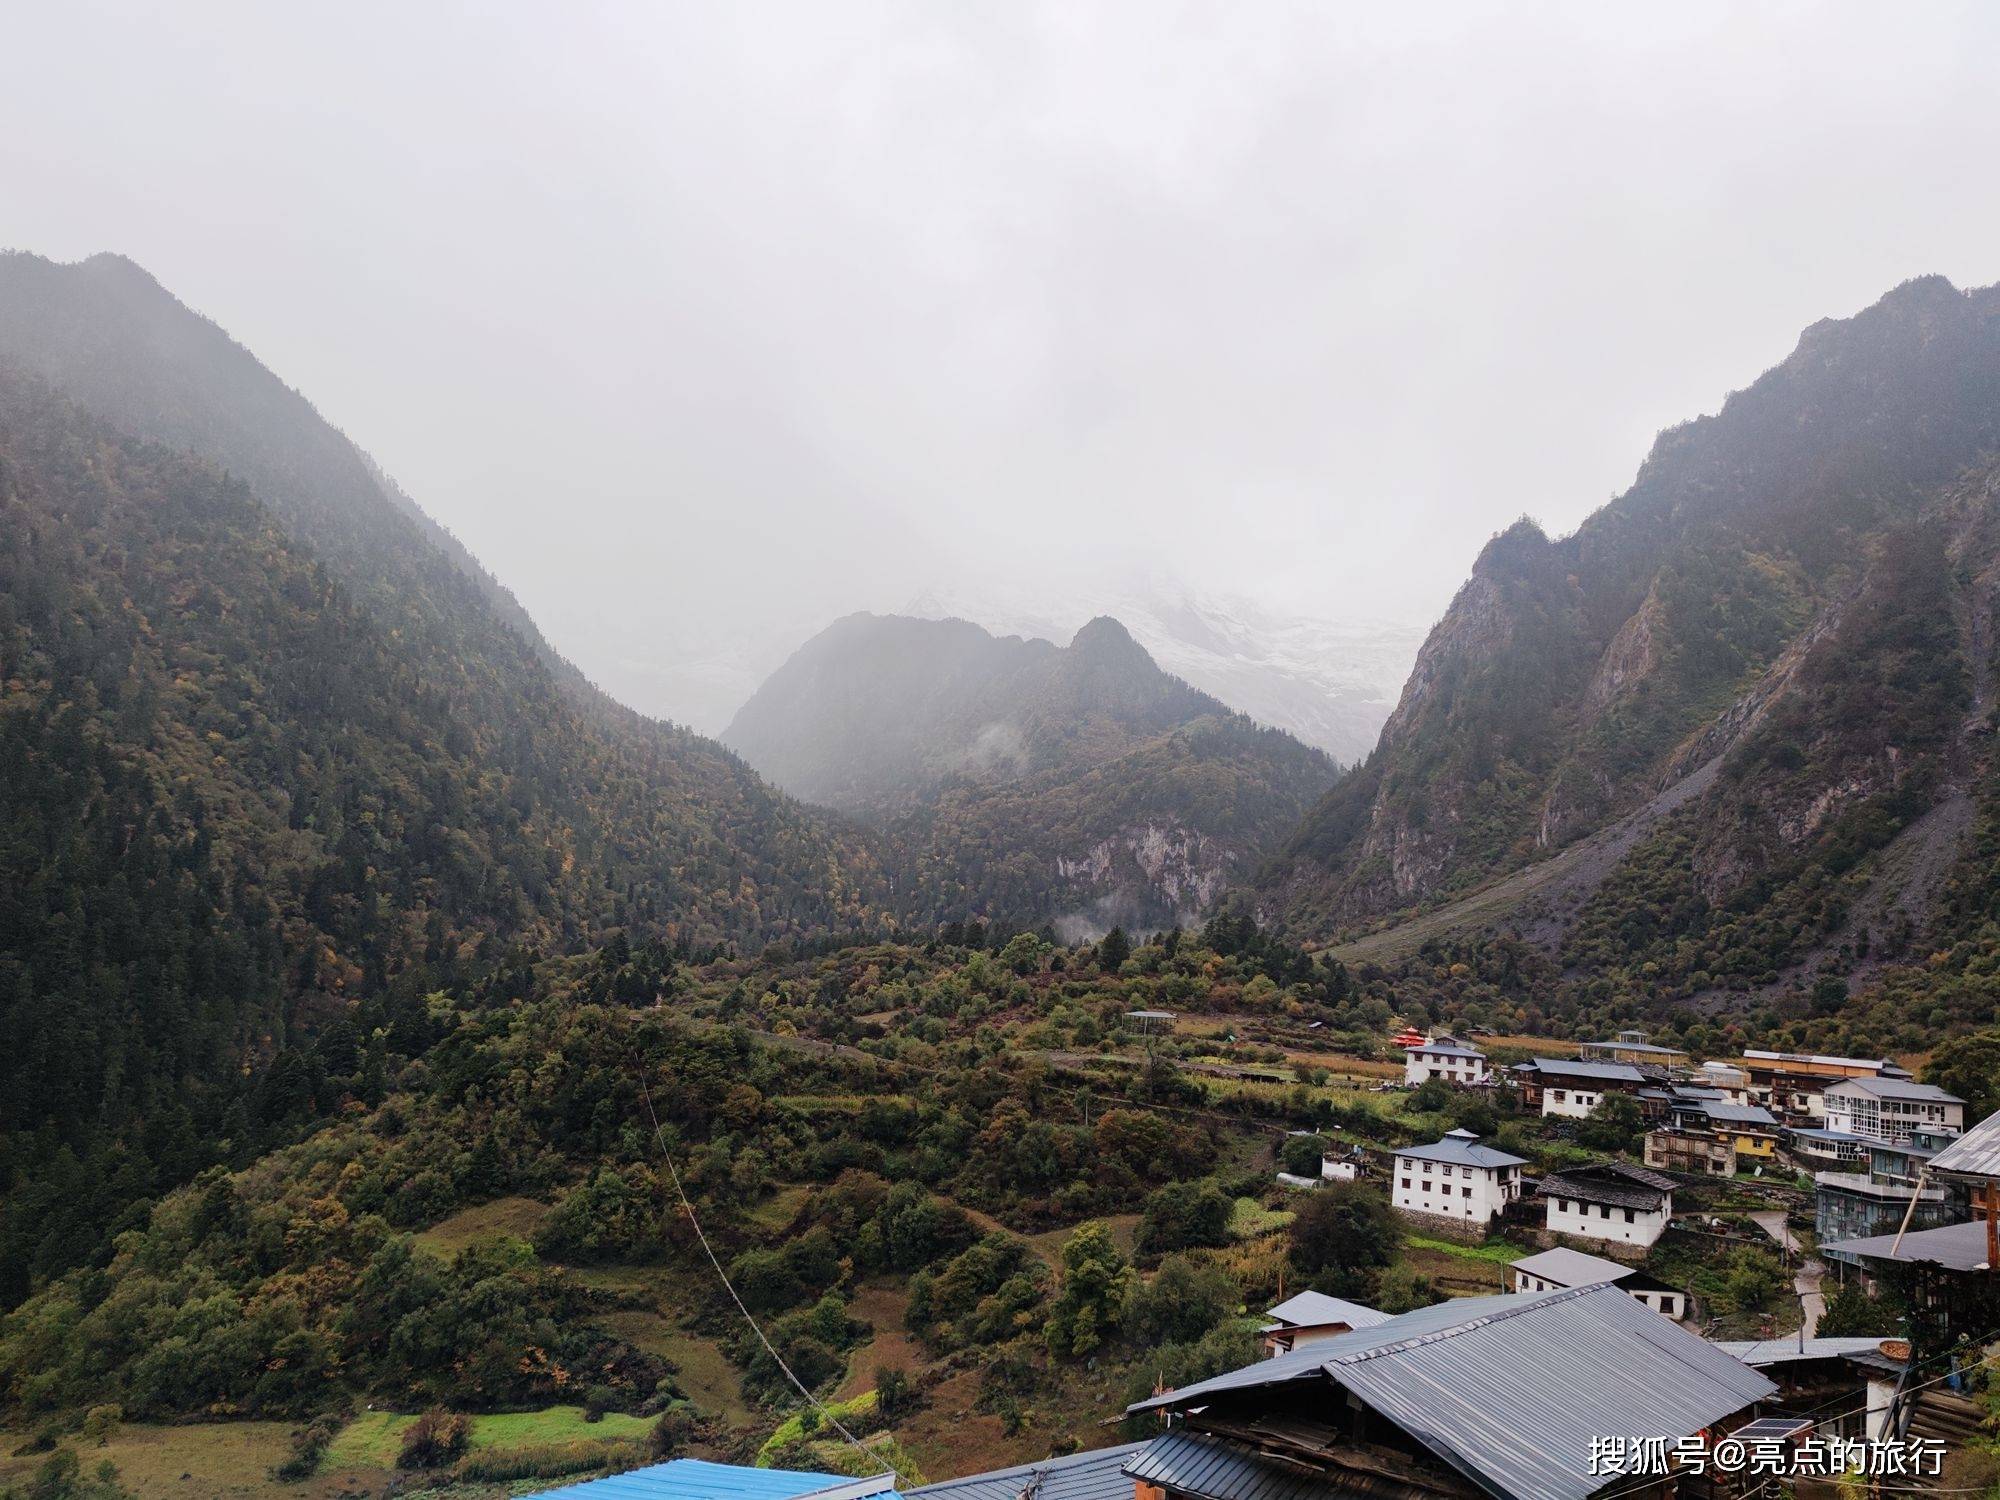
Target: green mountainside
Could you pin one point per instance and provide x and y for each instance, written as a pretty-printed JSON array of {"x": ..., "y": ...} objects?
[
  {"x": 349, "y": 939},
  {"x": 899, "y": 1151},
  {"x": 1730, "y": 743},
  {"x": 1024, "y": 779},
  {"x": 276, "y": 753}
]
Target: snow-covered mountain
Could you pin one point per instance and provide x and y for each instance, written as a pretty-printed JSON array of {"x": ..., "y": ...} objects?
[{"x": 1330, "y": 682}]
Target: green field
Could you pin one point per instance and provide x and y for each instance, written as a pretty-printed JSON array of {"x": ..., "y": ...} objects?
[
  {"x": 1496, "y": 1254},
  {"x": 1249, "y": 1218},
  {"x": 373, "y": 1439}
]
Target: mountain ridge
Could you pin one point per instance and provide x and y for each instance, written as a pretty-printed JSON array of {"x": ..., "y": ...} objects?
[
  {"x": 1728, "y": 744},
  {"x": 1045, "y": 782}
]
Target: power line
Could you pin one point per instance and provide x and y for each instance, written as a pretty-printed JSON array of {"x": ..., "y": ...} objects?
[{"x": 687, "y": 1207}]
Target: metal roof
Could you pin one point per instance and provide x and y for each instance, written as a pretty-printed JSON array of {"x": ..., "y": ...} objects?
[
  {"x": 1759, "y": 1353},
  {"x": 1570, "y": 1067},
  {"x": 1461, "y": 1148},
  {"x": 1769, "y": 1429},
  {"x": 1881, "y": 1064},
  {"x": 1646, "y": 1047},
  {"x": 1956, "y": 1247},
  {"x": 1738, "y": 1114},
  {"x": 1974, "y": 1154},
  {"x": 695, "y": 1479},
  {"x": 1897, "y": 1088},
  {"x": 1445, "y": 1049},
  {"x": 1194, "y": 1463},
  {"x": 1096, "y": 1475},
  {"x": 1566, "y": 1267},
  {"x": 1510, "y": 1390},
  {"x": 1310, "y": 1309}
]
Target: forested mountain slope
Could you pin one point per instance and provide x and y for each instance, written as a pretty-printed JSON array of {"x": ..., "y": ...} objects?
[
  {"x": 1746, "y": 706},
  {"x": 1024, "y": 779},
  {"x": 274, "y": 755},
  {"x": 672, "y": 829}
]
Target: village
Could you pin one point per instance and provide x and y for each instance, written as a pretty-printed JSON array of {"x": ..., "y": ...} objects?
[{"x": 1598, "y": 1366}]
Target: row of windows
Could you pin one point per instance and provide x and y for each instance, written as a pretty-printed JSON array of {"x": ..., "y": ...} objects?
[
  {"x": 1583, "y": 1210},
  {"x": 1444, "y": 1188}
]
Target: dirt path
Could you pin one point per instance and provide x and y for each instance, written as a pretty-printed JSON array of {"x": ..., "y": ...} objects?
[
  {"x": 1806, "y": 1279},
  {"x": 1772, "y": 1222},
  {"x": 1812, "y": 1302}
]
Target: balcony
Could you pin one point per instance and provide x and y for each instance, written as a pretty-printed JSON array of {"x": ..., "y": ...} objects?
[{"x": 1861, "y": 1182}]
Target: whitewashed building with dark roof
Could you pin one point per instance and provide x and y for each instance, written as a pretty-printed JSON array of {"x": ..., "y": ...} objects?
[
  {"x": 1457, "y": 1180},
  {"x": 1890, "y": 1109},
  {"x": 1568, "y": 1088},
  {"x": 1448, "y": 1060},
  {"x": 1611, "y": 1202}
]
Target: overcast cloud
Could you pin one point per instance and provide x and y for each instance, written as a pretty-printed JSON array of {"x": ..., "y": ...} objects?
[{"x": 702, "y": 324}]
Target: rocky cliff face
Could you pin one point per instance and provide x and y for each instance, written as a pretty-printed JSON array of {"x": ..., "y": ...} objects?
[{"x": 1789, "y": 585}]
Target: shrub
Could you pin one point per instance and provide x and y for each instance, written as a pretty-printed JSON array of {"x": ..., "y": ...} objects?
[
  {"x": 672, "y": 1432},
  {"x": 1344, "y": 1236},
  {"x": 893, "y": 1394},
  {"x": 1096, "y": 1282},
  {"x": 1181, "y": 1303},
  {"x": 434, "y": 1440},
  {"x": 1300, "y": 1154},
  {"x": 101, "y": 1421},
  {"x": 539, "y": 1461},
  {"x": 309, "y": 1445},
  {"x": 1183, "y": 1215}
]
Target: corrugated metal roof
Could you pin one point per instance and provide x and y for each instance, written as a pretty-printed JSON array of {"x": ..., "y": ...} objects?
[
  {"x": 1461, "y": 1148},
  {"x": 1759, "y": 1353},
  {"x": 1309, "y": 1309},
  {"x": 1511, "y": 1389},
  {"x": 1566, "y": 1267},
  {"x": 1882, "y": 1064},
  {"x": 1974, "y": 1154},
  {"x": 1739, "y": 1114},
  {"x": 1096, "y": 1475},
  {"x": 1957, "y": 1247},
  {"x": 1651, "y": 1049},
  {"x": 1568, "y": 1067},
  {"x": 695, "y": 1479},
  {"x": 1896, "y": 1088},
  {"x": 1194, "y": 1463}
]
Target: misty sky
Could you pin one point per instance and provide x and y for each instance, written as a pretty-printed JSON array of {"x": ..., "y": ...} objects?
[{"x": 703, "y": 324}]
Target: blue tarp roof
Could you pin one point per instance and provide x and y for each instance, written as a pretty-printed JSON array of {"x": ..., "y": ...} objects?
[{"x": 695, "y": 1479}]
